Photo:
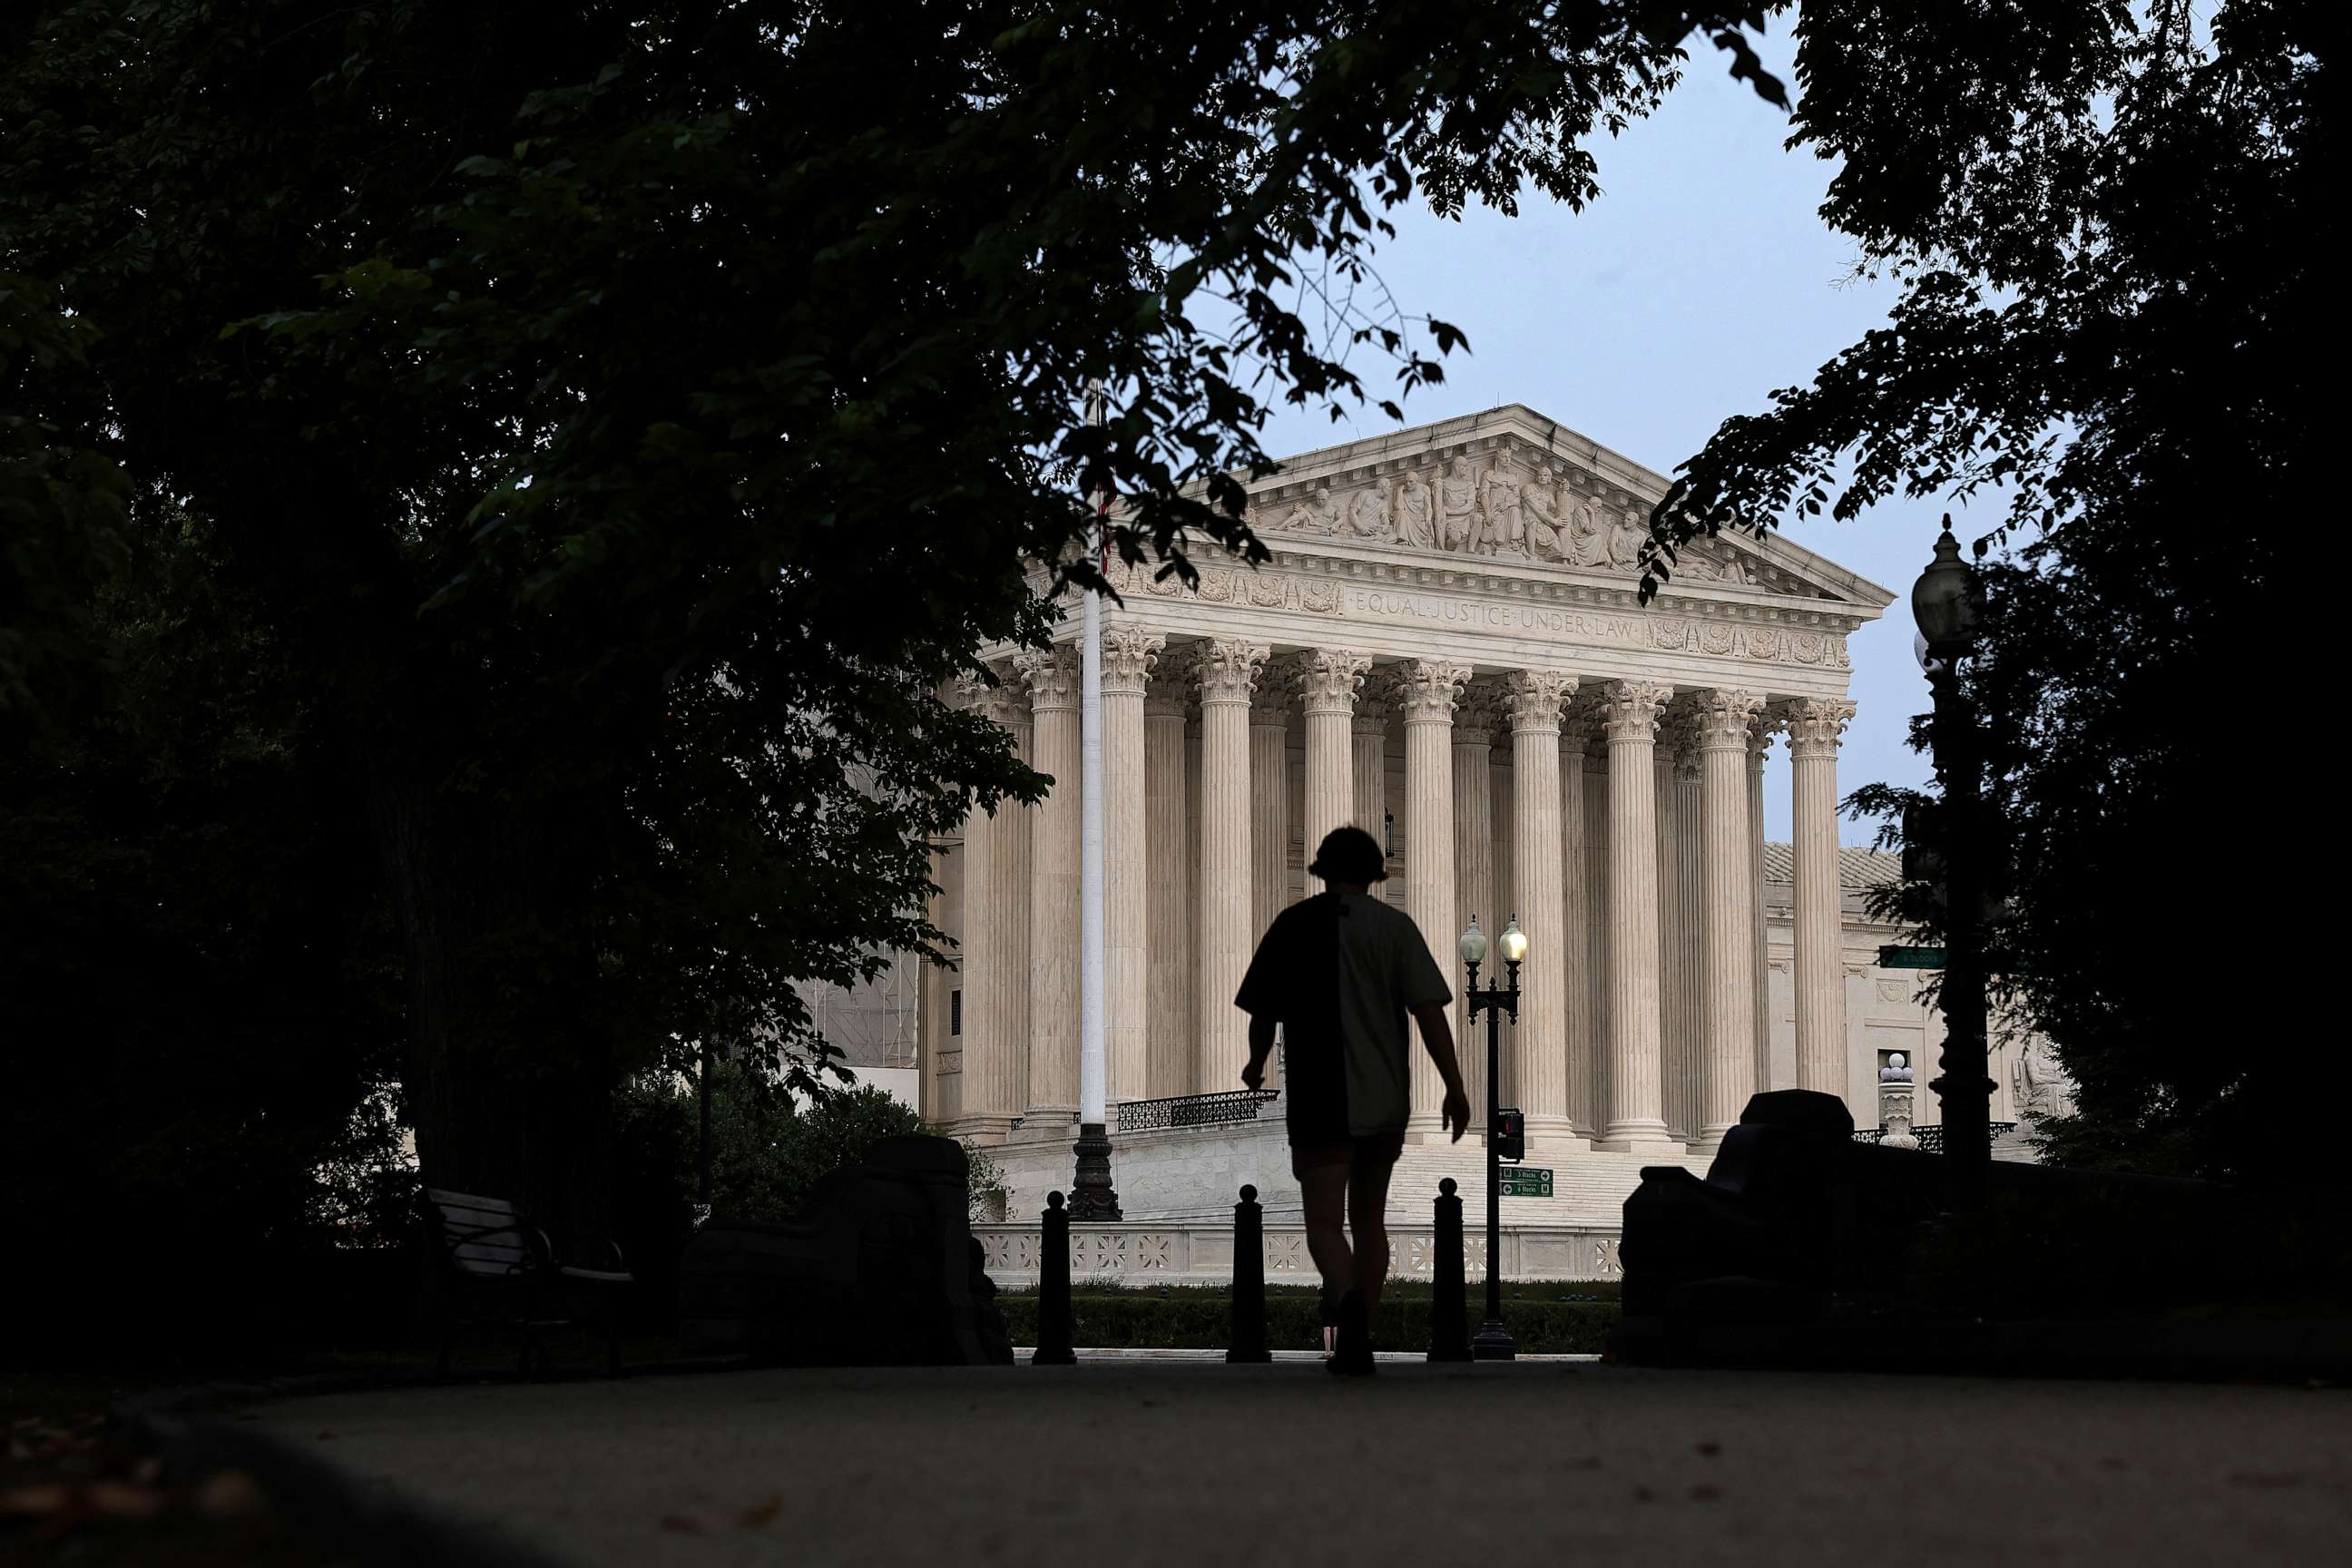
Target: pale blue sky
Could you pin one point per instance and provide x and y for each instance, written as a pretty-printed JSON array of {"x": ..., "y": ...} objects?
[{"x": 1700, "y": 281}]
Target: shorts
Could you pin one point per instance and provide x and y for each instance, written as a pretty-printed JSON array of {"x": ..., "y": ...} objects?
[{"x": 1364, "y": 1152}]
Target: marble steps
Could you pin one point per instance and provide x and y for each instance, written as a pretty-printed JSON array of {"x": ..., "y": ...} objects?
[{"x": 1587, "y": 1186}]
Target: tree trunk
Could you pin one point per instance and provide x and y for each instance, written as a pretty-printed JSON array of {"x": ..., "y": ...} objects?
[{"x": 508, "y": 1076}]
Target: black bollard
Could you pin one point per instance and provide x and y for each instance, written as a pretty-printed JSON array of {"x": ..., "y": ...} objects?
[
  {"x": 1249, "y": 1281},
  {"x": 1449, "y": 1315},
  {"x": 1053, "y": 1289}
]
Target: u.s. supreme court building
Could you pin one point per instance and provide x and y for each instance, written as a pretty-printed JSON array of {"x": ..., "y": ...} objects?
[{"x": 1447, "y": 649}]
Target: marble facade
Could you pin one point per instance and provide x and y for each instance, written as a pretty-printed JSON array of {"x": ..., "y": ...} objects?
[{"x": 1448, "y": 649}]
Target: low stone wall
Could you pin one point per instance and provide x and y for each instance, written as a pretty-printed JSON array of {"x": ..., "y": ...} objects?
[
  {"x": 1180, "y": 1253},
  {"x": 1167, "y": 1173}
]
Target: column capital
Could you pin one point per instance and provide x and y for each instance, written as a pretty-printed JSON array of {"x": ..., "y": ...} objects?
[
  {"x": 1426, "y": 690},
  {"x": 1129, "y": 653},
  {"x": 991, "y": 699},
  {"x": 1630, "y": 709},
  {"x": 1680, "y": 743},
  {"x": 1722, "y": 718},
  {"x": 1270, "y": 703},
  {"x": 1372, "y": 711},
  {"x": 1816, "y": 724},
  {"x": 1533, "y": 698},
  {"x": 1227, "y": 669},
  {"x": 1166, "y": 693},
  {"x": 1051, "y": 676},
  {"x": 1477, "y": 715},
  {"x": 1327, "y": 679},
  {"x": 1759, "y": 736}
]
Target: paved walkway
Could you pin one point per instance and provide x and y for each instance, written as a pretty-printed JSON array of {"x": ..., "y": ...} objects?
[{"x": 1135, "y": 1464}]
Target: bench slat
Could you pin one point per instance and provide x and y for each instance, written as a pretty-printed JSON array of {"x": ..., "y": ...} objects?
[{"x": 468, "y": 1200}]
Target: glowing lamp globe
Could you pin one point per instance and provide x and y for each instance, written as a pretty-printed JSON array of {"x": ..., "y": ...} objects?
[{"x": 1514, "y": 942}]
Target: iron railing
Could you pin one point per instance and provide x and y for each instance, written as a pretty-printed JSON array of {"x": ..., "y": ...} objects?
[
  {"x": 1931, "y": 1139},
  {"x": 1192, "y": 1110}
]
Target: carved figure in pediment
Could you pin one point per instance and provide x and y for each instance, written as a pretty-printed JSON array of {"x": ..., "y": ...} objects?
[
  {"x": 1709, "y": 563},
  {"x": 1317, "y": 513},
  {"x": 1416, "y": 521},
  {"x": 1588, "y": 537},
  {"x": 1366, "y": 513},
  {"x": 1499, "y": 499},
  {"x": 1547, "y": 507},
  {"x": 1625, "y": 537},
  {"x": 1457, "y": 509}
]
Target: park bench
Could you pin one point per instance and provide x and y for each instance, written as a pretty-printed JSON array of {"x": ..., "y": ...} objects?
[{"x": 491, "y": 1268}]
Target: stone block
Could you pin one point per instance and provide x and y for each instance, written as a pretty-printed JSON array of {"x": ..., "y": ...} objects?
[{"x": 879, "y": 1268}]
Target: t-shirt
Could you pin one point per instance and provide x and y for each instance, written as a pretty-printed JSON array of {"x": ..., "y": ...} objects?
[{"x": 1340, "y": 973}]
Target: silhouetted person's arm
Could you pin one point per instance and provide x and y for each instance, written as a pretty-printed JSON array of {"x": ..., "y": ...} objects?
[
  {"x": 1437, "y": 1034},
  {"x": 1261, "y": 1047}
]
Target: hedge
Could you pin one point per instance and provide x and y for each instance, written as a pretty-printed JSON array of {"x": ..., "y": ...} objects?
[{"x": 1203, "y": 1321}]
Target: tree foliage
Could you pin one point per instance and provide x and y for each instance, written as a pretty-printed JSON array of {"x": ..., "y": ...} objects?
[
  {"x": 623, "y": 421},
  {"x": 2115, "y": 249},
  {"x": 200, "y": 998}
]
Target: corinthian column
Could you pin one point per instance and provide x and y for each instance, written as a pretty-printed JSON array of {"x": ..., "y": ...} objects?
[
  {"x": 1600, "y": 964},
  {"x": 1128, "y": 655},
  {"x": 1169, "y": 973},
  {"x": 1815, "y": 725},
  {"x": 1014, "y": 825},
  {"x": 1722, "y": 720},
  {"x": 1760, "y": 742},
  {"x": 988, "y": 1092},
  {"x": 1473, "y": 868},
  {"x": 1666, "y": 821},
  {"x": 1052, "y": 1091},
  {"x": 1269, "y": 768},
  {"x": 1575, "y": 899},
  {"x": 1370, "y": 726},
  {"x": 1227, "y": 671},
  {"x": 1688, "y": 978},
  {"x": 1426, "y": 691},
  {"x": 1327, "y": 680},
  {"x": 1631, "y": 708},
  {"x": 1539, "y": 1045}
]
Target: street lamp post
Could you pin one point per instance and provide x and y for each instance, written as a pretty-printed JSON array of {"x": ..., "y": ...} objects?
[
  {"x": 1494, "y": 1341},
  {"x": 1944, "y": 602}
]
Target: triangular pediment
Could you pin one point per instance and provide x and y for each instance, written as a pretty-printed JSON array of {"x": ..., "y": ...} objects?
[{"x": 1510, "y": 489}]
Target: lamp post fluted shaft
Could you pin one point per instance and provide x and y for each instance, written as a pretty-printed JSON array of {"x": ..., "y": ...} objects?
[
  {"x": 1494, "y": 1341},
  {"x": 1964, "y": 1088}
]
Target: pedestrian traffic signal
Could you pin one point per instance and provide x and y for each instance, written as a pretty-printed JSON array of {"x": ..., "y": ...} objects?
[{"x": 1511, "y": 1135}]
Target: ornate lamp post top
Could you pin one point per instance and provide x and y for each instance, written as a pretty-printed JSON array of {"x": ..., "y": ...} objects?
[{"x": 1943, "y": 601}]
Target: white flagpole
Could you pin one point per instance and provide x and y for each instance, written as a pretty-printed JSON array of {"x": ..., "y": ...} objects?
[
  {"x": 1091, "y": 1092},
  {"x": 1093, "y": 1197}
]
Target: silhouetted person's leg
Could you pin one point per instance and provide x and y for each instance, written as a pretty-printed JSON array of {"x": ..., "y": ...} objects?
[
  {"x": 1367, "y": 1203},
  {"x": 1324, "y": 1191}
]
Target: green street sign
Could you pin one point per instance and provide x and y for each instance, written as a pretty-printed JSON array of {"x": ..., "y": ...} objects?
[
  {"x": 1527, "y": 1182},
  {"x": 1910, "y": 958}
]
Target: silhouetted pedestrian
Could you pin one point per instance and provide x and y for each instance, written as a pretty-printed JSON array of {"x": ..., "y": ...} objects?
[{"x": 1341, "y": 971}]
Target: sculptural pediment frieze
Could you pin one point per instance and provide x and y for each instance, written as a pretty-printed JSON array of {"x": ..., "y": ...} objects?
[{"x": 1507, "y": 501}]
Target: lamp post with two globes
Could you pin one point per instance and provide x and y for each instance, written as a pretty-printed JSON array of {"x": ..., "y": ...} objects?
[{"x": 1494, "y": 1341}]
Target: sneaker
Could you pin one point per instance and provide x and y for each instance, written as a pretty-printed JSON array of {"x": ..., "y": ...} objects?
[{"x": 1354, "y": 1356}]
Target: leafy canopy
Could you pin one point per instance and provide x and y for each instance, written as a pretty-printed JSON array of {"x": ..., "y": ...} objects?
[
  {"x": 2114, "y": 239},
  {"x": 628, "y": 419}
]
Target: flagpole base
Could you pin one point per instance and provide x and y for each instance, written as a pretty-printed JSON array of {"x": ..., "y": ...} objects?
[{"x": 1092, "y": 1198}]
